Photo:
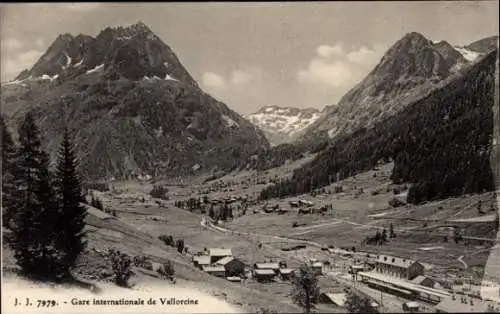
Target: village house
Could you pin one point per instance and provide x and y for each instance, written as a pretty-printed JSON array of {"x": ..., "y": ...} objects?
[
  {"x": 218, "y": 271},
  {"x": 270, "y": 266},
  {"x": 263, "y": 275},
  {"x": 398, "y": 267},
  {"x": 285, "y": 273},
  {"x": 466, "y": 304},
  {"x": 218, "y": 254},
  {"x": 317, "y": 267},
  {"x": 412, "y": 307},
  {"x": 233, "y": 266},
  {"x": 201, "y": 261}
]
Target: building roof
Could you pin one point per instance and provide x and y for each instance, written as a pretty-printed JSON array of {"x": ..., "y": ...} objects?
[
  {"x": 395, "y": 261},
  {"x": 209, "y": 269},
  {"x": 392, "y": 281},
  {"x": 461, "y": 304},
  {"x": 202, "y": 259},
  {"x": 223, "y": 261},
  {"x": 267, "y": 265},
  {"x": 338, "y": 299},
  {"x": 286, "y": 271},
  {"x": 264, "y": 272},
  {"x": 220, "y": 252},
  {"x": 420, "y": 279},
  {"x": 317, "y": 264}
]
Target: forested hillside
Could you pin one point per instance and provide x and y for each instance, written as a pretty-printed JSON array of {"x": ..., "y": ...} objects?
[{"x": 441, "y": 143}]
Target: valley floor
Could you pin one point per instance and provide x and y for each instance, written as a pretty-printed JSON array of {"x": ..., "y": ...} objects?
[{"x": 358, "y": 211}]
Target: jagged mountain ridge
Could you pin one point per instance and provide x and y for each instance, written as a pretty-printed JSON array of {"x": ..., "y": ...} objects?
[
  {"x": 132, "y": 52},
  {"x": 409, "y": 70},
  {"x": 131, "y": 105},
  {"x": 440, "y": 144},
  {"x": 283, "y": 124}
]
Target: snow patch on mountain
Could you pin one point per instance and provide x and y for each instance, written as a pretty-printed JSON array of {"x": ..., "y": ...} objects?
[
  {"x": 97, "y": 68},
  {"x": 78, "y": 64},
  {"x": 48, "y": 77},
  {"x": 468, "y": 54},
  {"x": 229, "y": 122},
  {"x": 68, "y": 61},
  {"x": 168, "y": 77}
]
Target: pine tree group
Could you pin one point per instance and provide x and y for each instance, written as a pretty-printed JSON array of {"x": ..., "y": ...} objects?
[
  {"x": 8, "y": 185},
  {"x": 42, "y": 211},
  {"x": 71, "y": 214}
]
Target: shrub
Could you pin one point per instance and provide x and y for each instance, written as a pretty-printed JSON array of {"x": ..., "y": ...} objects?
[
  {"x": 159, "y": 191},
  {"x": 97, "y": 203},
  {"x": 143, "y": 261},
  {"x": 180, "y": 245},
  {"x": 394, "y": 202},
  {"x": 167, "y": 270},
  {"x": 168, "y": 240},
  {"x": 121, "y": 265}
]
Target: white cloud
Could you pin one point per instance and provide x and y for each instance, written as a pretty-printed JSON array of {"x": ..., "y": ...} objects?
[
  {"x": 211, "y": 79},
  {"x": 39, "y": 42},
  {"x": 326, "y": 51},
  {"x": 366, "y": 56},
  {"x": 333, "y": 66},
  {"x": 239, "y": 77},
  {"x": 335, "y": 73},
  {"x": 12, "y": 44}
]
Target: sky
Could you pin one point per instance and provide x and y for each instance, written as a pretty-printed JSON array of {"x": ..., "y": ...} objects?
[{"x": 249, "y": 55}]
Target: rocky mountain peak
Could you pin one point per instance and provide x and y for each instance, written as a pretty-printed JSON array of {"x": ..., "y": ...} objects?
[
  {"x": 412, "y": 67},
  {"x": 133, "y": 52},
  {"x": 133, "y": 107}
]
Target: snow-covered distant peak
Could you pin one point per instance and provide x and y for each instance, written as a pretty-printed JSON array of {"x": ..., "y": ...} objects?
[
  {"x": 283, "y": 124},
  {"x": 468, "y": 54}
]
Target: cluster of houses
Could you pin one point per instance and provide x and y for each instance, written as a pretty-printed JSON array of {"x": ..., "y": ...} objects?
[{"x": 221, "y": 263}]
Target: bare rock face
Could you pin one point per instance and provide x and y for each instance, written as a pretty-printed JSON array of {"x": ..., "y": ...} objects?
[
  {"x": 131, "y": 105},
  {"x": 409, "y": 70}
]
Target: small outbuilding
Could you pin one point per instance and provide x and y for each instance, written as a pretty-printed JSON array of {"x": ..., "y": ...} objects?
[{"x": 263, "y": 275}]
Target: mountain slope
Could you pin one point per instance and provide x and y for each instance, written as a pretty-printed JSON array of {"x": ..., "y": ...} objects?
[
  {"x": 440, "y": 143},
  {"x": 484, "y": 45},
  {"x": 411, "y": 68},
  {"x": 283, "y": 124},
  {"x": 478, "y": 48},
  {"x": 132, "y": 106}
]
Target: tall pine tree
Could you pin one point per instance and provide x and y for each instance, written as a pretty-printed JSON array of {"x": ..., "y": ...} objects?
[
  {"x": 71, "y": 212},
  {"x": 34, "y": 234},
  {"x": 8, "y": 184}
]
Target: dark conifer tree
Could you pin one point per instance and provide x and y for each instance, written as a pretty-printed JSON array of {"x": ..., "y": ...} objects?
[
  {"x": 34, "y": 233},
  {"x": 8, "y": 180},
  {"x": 71, "y": 212}
]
